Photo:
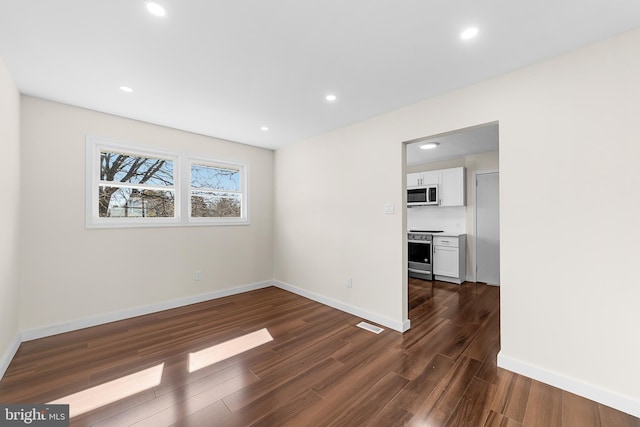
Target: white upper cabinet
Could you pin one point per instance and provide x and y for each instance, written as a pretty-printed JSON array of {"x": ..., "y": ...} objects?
[
  {"x": 452, "y": 187},
  {"x": 431, "y": 177},
  {"x": 420, "y": 179},
  {"x": 413, "y": 179}
]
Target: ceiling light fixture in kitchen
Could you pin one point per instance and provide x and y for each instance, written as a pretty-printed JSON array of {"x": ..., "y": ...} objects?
[
  {"x": 264, "y": 128},
  {"x": 469, "y": 33},
  {"x": 155, "y": 9},
  {"x": 126, "y": 89},
  {"x": 331, "y": 97},
  {"x": 429, "y": 145}
]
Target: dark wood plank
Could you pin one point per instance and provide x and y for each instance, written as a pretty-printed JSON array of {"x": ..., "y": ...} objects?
[
  {"x": 486, "y": 340},
  {"x": 412, "y": 396},
  {"x": 266, "y": 390},
  {"x": 460, "y": 341},
  {"x": 613, "y": 417},
  {"x": 395, "y": 416},
  {"x": 252, "y": 404},
  {"x": 442, "y": 401},
  {"x": 371, "y": 401},
  {"x": 512, "y": 395},
  {"x": 289, "y": 410},
  {"x": 544, "y": 406},
  {"x": 344, "y": 387},
  {"x": 489, "y": 370},
  {"x": 474, "y": 406},
  {"x": 320, "y": 369},
  {"x": 578, "y": 411},
  {"x": 181, "y": 402},
  {"x": 208, "y": 416},
  {"x": 497, "y": 420}
]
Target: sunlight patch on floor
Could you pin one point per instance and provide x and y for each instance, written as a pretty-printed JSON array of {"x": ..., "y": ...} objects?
[
  {"x": 104, "y": 394},
  {"x": 227, "y": 349}
]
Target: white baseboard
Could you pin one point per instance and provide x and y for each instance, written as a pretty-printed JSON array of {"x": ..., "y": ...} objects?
[
  {"x": 88, "y": 322},
  {"x": 589, "y": 391},
  {"x": 376, "y": 318},
  {"x": 7, "y": 357}
]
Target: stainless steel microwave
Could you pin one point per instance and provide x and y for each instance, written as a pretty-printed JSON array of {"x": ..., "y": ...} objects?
[{"x": 422, "y": 196}]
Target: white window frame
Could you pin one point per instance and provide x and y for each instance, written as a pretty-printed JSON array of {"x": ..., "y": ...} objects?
[
  {"x": 181, "y": 186},
  {"x": 244, "y": 202}
]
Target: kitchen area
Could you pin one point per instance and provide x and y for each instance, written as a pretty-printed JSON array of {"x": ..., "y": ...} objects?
[{"x": 453, "y": 206}]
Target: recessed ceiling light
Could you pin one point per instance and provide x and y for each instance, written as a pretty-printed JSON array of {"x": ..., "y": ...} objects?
[
  {"x": 264, "y": 128},
  {"x": 469, "y": 33},
  {"x": 126, "y": 89},
  {"x": 430, "y": 145},
  {"x": 155, "y": 9},
  {"x": 330, "y": 97}
]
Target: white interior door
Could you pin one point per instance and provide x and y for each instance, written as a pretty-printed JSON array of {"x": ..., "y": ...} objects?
[{"x": 488, "y": 228}]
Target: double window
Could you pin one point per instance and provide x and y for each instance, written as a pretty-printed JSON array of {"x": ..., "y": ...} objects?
[{"x": 129, "y": 186}]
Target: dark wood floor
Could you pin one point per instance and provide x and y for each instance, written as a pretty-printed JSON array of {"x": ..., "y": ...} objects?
[{"x": 320, "y": 369}]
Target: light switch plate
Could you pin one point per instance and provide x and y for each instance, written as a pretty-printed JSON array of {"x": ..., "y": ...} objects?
[{"x": 389, "y": 209}]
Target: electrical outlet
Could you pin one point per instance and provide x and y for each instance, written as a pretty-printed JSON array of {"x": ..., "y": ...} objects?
[
  {"x": 349, "y": 283},
  {"x": 197, "y": 276}
]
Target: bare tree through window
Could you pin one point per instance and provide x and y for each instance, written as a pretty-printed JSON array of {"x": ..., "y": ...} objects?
[
  {"x": 215, "y": 192},
  {"x": 132, "y": 186}
]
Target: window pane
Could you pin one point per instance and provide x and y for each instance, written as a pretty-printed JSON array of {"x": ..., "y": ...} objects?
[
  {"x": 122, "y": 167},
  {"x": 215, "y": 205},
  {"x": 215, "y": 178},
  {"x": 116, "y": 202}
]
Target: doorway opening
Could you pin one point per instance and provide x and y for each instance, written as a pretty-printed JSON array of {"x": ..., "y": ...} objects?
[{"x": 455, "y": 162}]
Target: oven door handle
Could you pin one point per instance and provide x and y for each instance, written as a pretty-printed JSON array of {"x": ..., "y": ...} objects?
[
  {"x": 422, "y": 242},
  {"x": 413, "y": 270}
]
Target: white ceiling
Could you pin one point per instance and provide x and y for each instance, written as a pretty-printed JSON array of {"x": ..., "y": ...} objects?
[
  {"x": 479, "y": 139},
  {"x": 226, "y": 68}
]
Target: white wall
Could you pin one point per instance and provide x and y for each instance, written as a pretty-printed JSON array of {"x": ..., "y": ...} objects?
[
  {"x": 9, "y": 214},
  {"x": 71, "y": 273},
  {"x": 330, "y": 222},
  {"x": 568, "y": 131}
]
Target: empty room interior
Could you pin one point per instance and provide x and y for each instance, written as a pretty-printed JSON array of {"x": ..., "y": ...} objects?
[{"x": 320, "y": 213}]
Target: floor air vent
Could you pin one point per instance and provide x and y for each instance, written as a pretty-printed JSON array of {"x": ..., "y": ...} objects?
[{"x": 369, "y": 327}]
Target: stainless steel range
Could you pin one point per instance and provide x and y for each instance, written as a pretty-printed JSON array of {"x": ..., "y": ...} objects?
[{"x": 421, "y": 253}]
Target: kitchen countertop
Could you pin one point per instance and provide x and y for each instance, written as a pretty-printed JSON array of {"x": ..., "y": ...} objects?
[
  {"x": 445, "y": 233},
  {"x": 450, "y": 234}
]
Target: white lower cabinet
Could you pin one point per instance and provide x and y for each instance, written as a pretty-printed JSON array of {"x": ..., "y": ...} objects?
[
  {"x": 449, "y": 258},
  {"x": 445, "y": 261}
]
